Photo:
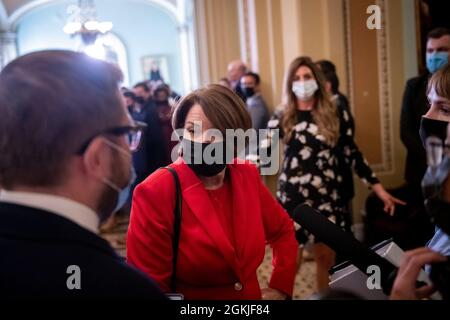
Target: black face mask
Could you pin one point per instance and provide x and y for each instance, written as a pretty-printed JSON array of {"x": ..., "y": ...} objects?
[
  {"x": 161, "y": 102},
  {"x": 431, "y": 127},
  {"x": 248, "y": 92},
  {"x": 206, "y": 159},
  {"x": 140, "y": 100},
  {"x": 432, "y": 185}
]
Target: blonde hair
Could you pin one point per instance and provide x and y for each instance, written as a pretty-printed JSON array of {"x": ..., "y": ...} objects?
[{"x": 324, "y": 112}]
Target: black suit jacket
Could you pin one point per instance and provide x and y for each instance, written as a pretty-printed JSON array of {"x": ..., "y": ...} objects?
[
  {"x": 414, "y": 106},
  {"x": 238, "y": 90},
  {"x": 37, "y": 247}
]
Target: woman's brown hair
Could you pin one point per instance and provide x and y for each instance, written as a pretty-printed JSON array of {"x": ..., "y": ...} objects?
[
  {"x": 324, "y": 112},
  {"x": 221, "y": 106}
]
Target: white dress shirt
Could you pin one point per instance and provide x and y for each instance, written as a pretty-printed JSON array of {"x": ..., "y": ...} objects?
[{"x": 64, "y": 207}]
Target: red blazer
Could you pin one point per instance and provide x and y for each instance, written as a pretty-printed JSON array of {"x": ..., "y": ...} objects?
[{"x": 209, "y": 267}]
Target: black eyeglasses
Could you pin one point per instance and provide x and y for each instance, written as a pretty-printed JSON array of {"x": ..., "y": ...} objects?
[{"x": 133, "y": 133}]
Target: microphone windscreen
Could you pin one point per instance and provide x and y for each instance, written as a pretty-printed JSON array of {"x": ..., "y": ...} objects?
[{"x": 342, "y": 242}]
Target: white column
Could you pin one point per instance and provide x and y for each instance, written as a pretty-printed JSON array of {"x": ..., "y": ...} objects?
[
  {"x": 8, "y": 47},
  {"x": 183, "y": 34},
  {"x": 248, "y": 34}
]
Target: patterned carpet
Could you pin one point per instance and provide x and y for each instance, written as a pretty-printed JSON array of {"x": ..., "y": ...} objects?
[{"x": 305, "y": 282}]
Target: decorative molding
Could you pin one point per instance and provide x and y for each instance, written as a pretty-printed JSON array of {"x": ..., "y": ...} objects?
[
  {"x": 202, "y": 56},
  {"x": 252, "y": 36},
  {"x": 15, "y": 17},
  {"x": 348, "y": 51},
  {"x": 3, "y": 17},
  {"x": 387, "y": 164},
  {"x": 17, "y": 14},
  {"x": 179, "y": 11},
  {"x": 8, "y": 48},
  {"x": 245, "y": 29},
  {"x": 273, "y": 67}
]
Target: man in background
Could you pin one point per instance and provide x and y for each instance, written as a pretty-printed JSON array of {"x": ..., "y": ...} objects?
[
  {"x": 143, "y": 93},
  {"x": 236, "y": 69},
  {"x": 256, "y": 105}
]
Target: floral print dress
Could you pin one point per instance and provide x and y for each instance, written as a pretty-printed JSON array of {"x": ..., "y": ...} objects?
[{"x": 312, "y": 170}]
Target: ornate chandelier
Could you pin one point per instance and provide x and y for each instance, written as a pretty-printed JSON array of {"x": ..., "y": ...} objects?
[{"x": 83, "y": 21}]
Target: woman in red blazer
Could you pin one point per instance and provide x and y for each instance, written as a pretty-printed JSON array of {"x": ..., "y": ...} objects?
[{"x": 228, "y": 215}]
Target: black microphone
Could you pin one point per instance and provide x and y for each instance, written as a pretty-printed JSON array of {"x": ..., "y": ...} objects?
[{"x": 345, "y": 244}]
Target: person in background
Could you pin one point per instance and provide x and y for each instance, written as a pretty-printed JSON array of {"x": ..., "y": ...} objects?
[
  {"x": 414, "y": 106},
  {"x": 164, "y": 110},
  {"x": 332, "y": 84},
  {"x": 131, "y": 103},
  {"x": 228, "y": 214},
  {"x": 154, "y": 150},
  {"x": 150, "y": 156},
  {"x": 65, "y": 166},
  {"x": 155, "y": 74},
  {"x": 332, "y": 87},
  {"x": 143, "y": 94},
  {"x": 173, "y": 96},
  {"x": 236, "y": 69},
  {"x": 256, "y": 106},
  {"x": 411, "y": 228},
  {"x": 140, "y": 160},
  {"x": 315, "y": 135}
]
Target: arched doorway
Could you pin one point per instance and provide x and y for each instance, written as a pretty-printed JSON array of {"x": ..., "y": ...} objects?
[{"x": 175, "y": 40}]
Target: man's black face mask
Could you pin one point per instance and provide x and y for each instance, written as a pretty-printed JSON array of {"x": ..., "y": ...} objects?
[{"x": 140, "y": 100}]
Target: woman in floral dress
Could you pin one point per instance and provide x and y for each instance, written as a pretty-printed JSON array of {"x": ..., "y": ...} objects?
[{"x": 318, "y": 144}]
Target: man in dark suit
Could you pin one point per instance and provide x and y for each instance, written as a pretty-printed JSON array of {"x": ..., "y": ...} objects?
[
  {"x": 256, "y": 105},
  {"x": 143, "y": 93},
  {"x": 332, "y": 84},
  {"x": 66, "y": 143},
  {"x": 257, "y": 108}
]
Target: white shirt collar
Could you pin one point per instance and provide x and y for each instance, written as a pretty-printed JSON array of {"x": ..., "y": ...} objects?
[{"x": 64, "y": 207}]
